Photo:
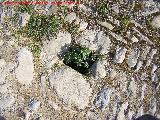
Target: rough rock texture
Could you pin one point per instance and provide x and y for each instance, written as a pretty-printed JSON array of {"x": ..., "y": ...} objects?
[
  {"x": 53, "y": 48},
  {"x": 71, "y": 87},
  {"x": 132, "y": 59},
  {"x": 102, "y": 99},
  {"x": 99, "y": 69},
  {"x": 25, "y": 70},
  {"x": 120, "y": 54},
  {"x": 156, "y": 21},
  {"x": 123, "y": 84}
]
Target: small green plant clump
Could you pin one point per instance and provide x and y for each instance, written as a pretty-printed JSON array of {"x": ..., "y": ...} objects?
[
  {"x": 41, "y": 25},
  {"x": 102, "y": 8},
  {"x": 79, "y": 58},
  {"x": 124, "y": 23}
]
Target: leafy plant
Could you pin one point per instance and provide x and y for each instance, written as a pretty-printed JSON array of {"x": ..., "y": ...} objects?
[
  {"x": 71, "y": 28},
  {"x": 41, "y": 25},
  {"x": 124, "y": 22},
  {"x": 79, "y": 58},
  {"x": 25, "y": 8},
  {"x": 102, "y": 8}
]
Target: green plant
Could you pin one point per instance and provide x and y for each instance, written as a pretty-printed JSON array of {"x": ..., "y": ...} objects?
[
  {"x": 72, "y": 28},
  {"x": 102, "y": 8},
  {"x": 42, "y": 25},
  {"x": 124, "y": 23},
  {"x": 25, "y": 8},
  {"x": 79, "y": 58}
]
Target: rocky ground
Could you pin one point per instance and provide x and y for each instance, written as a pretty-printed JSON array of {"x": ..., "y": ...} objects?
[{"x": 124, "y": 84}]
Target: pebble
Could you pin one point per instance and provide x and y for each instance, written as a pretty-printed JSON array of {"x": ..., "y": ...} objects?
[
  {"x": 156, "y": 21},
  {"x": 25, "y": 70},
  {"x": 24, "y": 18},
  {"x": 121, "y": 114},
  {"x": 133, "y": 57},
  {"x": 98, "y": 69},
  {"x": 70, "y": 17},
  {"x": 102, "y": 99},
  {"x": 2, "y": 63},
  {"x": 120, "y": 54},
  {"x": 134, "y": 39},
  {"x": 106, "y": 24},
  {"x": 139, "y": 65},
  {"x": 6, "y": 101},
  {"x": 83, "y": 25},
  {"x": 150, "y": 56},
  {"x": 1, "y": 42},
  {"x": 34, "y": 105}
]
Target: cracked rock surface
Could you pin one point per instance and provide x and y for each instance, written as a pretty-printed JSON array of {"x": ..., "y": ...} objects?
[{"x": 123, "y": 82}]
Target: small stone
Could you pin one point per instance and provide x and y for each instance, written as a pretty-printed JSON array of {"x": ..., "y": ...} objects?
[
  {"x": 34, "y": 105},
  {"x": 120, "y": 54},
  {"x": 118, "y": 37},
  {"x": 83, "y": 25},
  {"x": 112, "y": 73},
  {"x": 156, "y": 21},
  {"x": 121, "y": 114},
  {"x": 134, "y": 39},
  {"x": 1, "y": 42},
  {"x": 71, "y": 87},
  {"x": 104, "y": 44},
  {"x": 2, "y": 63},
  {"x": 70, "y": 17},
  {"x": 6, "y": 102},
  {"x": 98, "y": 69},
  {"x": 115, "y": 8},
  {"x": 88, "y": 39},
  {"x": 2, "y": 118},
  {"x": 139, "y": 65},
  {"x": 24, "y": 18},
  {"x": 133, "y": 87},
  {"x": 150, "y": 56},
  {"x": 133, "y": 57},
  {"x": 25, "y": 70},
  {"x": 106, "y": 24},
  {"x": 145, "y": 52},
  {"x": 103, "y": 98}
]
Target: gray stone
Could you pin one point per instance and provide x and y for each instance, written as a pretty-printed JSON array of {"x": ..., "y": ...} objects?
[
  {"x": 145, "y": 52},
  {"x": 25, "y": 70},
  {"x": 102, "y": 99},
  {"x": 6, "y": 101},
  {"x": 52, "y": 48},
  {"x": 2, "y": 63},
  {"x": 118, "y": 37},
  {"x": 120, "y": 54},
  {"x": 1, "y": 42},
  {"x": 83, "y": 25},
  {"x": 112, "y": 73},
  {"x": 139, "y": 65},
  {"x": 121, "y": 114},
  {"x": 150, "y": 56},
  {"x": 106, "y": 24},
  {"x": 104, "y": 44},
  {"x": 71, "y": 86},
  {"x": 134, "y": 39},
  {"x": 24, "y": 18},
  {"x": 133, "y": 57},
  {"x": 34, "y": 105},
  {"x": 88, "y": 39},
  {"x": 70, "y": 17},
  {"x": 98, "y": 69},
  {"x": 156, "y": 21}
]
